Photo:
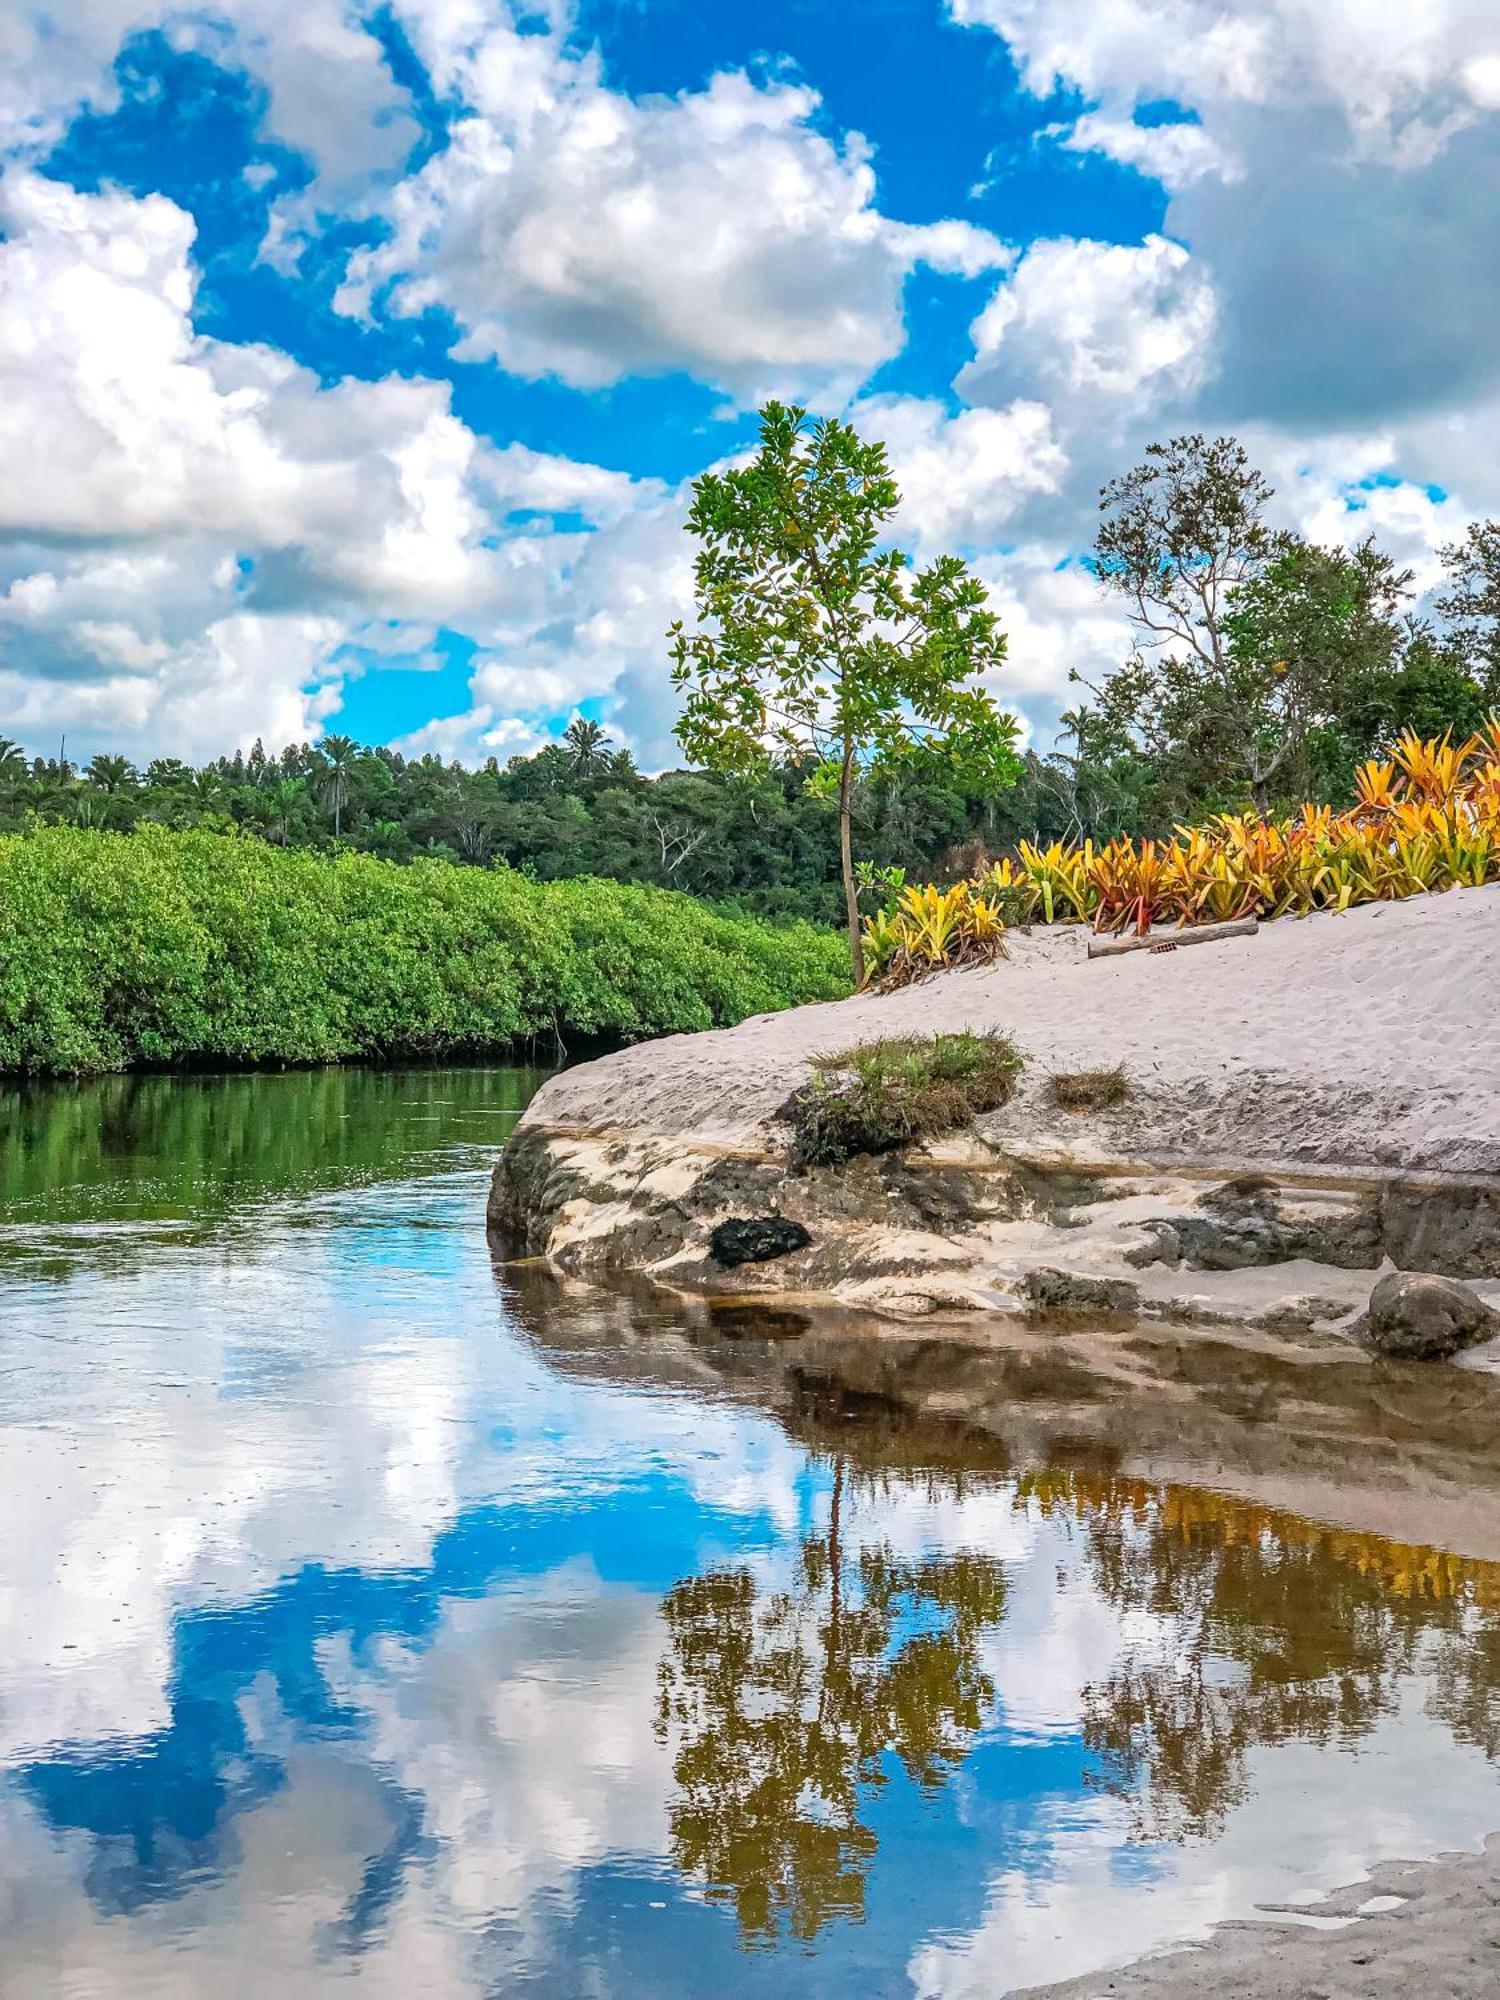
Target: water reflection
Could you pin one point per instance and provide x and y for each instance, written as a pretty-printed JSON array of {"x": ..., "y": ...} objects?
[
  {"x": 1252, "y": 1628},
  {"x": 376, "y": 1612},
  {"x": 783, "y": 1705}
]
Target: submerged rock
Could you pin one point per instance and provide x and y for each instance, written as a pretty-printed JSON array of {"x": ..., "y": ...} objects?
[
  {"x": 756, "y": 1239},
  {"x": 1414, "y": 1316},
  {"x": 1073, "y": 1291}
]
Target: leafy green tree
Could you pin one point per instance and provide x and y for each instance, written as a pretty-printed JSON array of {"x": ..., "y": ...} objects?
[
  {"x": 814, "y": 638},
  {"x": 1254, "y": 646},
  {"x": 1471, "y": 603}
]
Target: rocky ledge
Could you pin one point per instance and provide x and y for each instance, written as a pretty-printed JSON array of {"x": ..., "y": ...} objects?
[{"x": 1307, "y": 1108}]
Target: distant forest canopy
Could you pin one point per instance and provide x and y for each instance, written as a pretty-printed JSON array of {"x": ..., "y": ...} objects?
[{"x": 1265, "y": 669}]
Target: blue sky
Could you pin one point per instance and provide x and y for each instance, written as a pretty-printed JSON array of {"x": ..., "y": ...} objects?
[{"x": 355, "y": 361}]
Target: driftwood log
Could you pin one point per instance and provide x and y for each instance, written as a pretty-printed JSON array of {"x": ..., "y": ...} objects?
[{"x": 1169, "y": 940}]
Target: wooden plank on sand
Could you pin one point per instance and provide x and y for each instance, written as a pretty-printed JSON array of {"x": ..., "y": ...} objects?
[{"x": 1111, "y": 947}]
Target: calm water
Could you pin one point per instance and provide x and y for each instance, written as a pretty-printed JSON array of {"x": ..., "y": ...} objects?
[{"x": 379, "y": 1617}]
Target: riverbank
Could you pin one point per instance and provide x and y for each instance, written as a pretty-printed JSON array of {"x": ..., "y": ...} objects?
[{"x": 1302, "y": 1105}]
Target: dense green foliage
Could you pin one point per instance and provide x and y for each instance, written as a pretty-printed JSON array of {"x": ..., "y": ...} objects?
[
  {"x": 163, "y": 948},
  {"x": 883, "y": 1094},
  {"x": 1266, "y": 668},
  {"x": 768, "y": 845}
]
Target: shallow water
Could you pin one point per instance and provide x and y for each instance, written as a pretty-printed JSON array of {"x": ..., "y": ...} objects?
[{"x": 378, "y": 1614}]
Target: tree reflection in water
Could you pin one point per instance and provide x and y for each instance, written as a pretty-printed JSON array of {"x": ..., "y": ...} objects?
[
  {"x": 1247, "y": 1626},
  {"x": 1239, "y": 1627},
  {"x": 784, "y": 1706}
]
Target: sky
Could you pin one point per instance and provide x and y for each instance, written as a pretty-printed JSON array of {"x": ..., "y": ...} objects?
[{"x": 356, "y": 362}]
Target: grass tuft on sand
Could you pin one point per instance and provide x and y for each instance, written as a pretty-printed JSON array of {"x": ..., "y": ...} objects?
[
  {"x": 883, "y": 1094},
  {"x": 1088, "y": 1089}
]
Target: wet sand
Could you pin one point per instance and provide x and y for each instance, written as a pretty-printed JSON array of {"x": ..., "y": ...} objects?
[{"x": 1441, "y": 1942}]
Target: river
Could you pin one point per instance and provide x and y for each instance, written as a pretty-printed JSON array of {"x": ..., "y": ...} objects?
[{"x": 382, "y": 1617}]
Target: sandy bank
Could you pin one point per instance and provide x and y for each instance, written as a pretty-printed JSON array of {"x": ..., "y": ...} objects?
[
  {"x": 1369, "y": 1038},
  {"x": 1350, "y": 1063}
]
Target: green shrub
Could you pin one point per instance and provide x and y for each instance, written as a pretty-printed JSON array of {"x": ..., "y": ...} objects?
[
  {"x": 159, "y": 948},
  {"x": 1088, "y": 1089},
  {"x": 884, "y": 1094}
]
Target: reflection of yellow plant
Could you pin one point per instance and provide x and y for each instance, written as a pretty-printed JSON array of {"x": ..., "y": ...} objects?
[{"x": 1426, "y": 818}]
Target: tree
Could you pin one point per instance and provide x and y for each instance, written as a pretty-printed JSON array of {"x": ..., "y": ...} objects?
[
  {"x": 813, "y": 637},
  {"x": 280, "y": 804},
  {"x": 111, "y": 773},
  {"x": 587, "y": 745},
  {"x": 1252, "y": 643},
  {"x": 1471, "y": 602},
  {"x": 340, "y": 755}
]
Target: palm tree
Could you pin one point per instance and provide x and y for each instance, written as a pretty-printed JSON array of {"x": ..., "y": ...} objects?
[
  {"x": 280, "y": 802},
  {"x": 13, "y": 769},
  {"x": 111, "y": 774},
  {"x": 587, "y": 745},
  {"x": 340, "y": 755}
]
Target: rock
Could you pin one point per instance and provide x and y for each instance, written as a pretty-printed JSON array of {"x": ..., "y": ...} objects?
[
  {"x": 1070, "y": 1291},
  {"x": 756, "y": 1239},
  {"x": 1249, "y": 1221},
  {"x": 1452, "y": 1228},
  {"x": 1414, "y": 1316}
]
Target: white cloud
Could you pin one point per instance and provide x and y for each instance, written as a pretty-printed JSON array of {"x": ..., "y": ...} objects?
[
  {"x": 1340, "y": 190},
  {"x": 1176, "y": 153},
  {"x": 331, "y": 93},
  {"x": 1100, "y": 328},
  {"x": 963, "y": 478},
  {"x": 577, "y": 232},
  {"x": 1391, "y": 72},
  {"x": 191, "y": 531}
]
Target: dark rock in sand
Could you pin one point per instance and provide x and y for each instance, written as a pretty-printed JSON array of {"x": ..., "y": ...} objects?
[
  {"x": 756, "y": 1239},
  {"x": 1249, "y": 1221},
  {"x": 1414, "y": 1316}
]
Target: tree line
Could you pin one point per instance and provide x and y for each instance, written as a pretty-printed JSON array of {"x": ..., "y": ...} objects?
[{"x": 832, "y": 713}]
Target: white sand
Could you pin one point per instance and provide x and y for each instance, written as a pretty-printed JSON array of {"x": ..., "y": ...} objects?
[{"x": 1368, "y": 1039}]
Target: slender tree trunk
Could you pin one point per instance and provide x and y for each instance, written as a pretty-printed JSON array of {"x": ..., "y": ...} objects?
[{"x": 846, "y": 863}]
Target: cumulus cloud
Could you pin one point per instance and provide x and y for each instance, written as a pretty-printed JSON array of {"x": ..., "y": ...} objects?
[
  {"x": 331, "y": 93},
  {"x": 1103, "y": 326},
  {"x": 574, "y": 231},
  {"x": 1176, "y": 153},
  {"x": 1336, "y": 175},
  {"x": 1392, "y": 73},
  {"x": 964, "y": 477},
  {"x": 191, "y": 531}
]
